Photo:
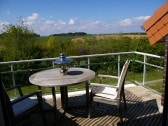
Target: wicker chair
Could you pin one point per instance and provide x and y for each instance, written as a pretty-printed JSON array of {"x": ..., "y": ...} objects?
[
  {"x": 21, "y": 107},
  {"x": 108, "y": 94}
]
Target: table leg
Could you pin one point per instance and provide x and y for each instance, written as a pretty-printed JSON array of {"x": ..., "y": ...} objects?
[
  {"x": 54, "y": 97},
  {"x": 87, "y": 94},
  {"x": 64, "y": 97},
  {"x": 39, "y": 87},
  {"x": 54, "y": 100}
]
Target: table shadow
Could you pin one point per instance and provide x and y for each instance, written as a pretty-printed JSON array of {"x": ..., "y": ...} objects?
[{"x": 74, "y": 72}]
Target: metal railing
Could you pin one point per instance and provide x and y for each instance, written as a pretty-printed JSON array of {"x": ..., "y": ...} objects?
[{"x": 88, "y": 63}]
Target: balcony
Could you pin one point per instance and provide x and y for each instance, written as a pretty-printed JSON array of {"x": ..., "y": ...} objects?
[
  {"x": 138, "y": 113},
  {"x": 143, "y": 101}
]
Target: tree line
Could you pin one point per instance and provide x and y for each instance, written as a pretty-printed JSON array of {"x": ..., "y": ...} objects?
[{"x": 19, "y": 43}]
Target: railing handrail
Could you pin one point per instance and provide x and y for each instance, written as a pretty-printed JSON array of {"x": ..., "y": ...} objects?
[
  {"x": 48, "y": 59},
  {"x": 83, "y": 56},
  {"x": 148, "y": 54},
  {"x": 144, "y": 62}
]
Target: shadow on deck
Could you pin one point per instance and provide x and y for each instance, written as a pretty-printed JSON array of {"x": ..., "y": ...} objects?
[{"x": 138, "y": 113}]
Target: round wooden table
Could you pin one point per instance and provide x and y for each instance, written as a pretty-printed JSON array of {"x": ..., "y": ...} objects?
[{"x": 53, "y": 77}]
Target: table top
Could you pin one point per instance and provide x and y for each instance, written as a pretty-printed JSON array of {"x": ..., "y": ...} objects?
[{"x": 53, "y": 77}]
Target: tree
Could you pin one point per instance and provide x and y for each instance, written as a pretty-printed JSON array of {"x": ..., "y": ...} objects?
[{"x": 18, "y": 41}]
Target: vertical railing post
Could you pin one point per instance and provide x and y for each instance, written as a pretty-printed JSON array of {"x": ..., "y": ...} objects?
[
  {"x": 119, "y": 65},
  {"x": 144, "y": 70},
  {"x": 53, "y": 64},
  {"x": 88, "y": 59},
  {"x": 13, "y": 75}
]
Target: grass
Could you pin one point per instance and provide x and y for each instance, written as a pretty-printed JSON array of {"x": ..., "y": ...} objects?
[
  {"x": 157, "y": 84},
  {"x": 153, "y": 79},
  {"x": 43, "y": 38},
  {"x": 156, "y": 87}
]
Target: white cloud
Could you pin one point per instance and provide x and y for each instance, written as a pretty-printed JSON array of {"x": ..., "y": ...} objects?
[
  {"x": 4, "y": 23},
  {"x": 125, "y": 22},
  {"x": 71, "y": 21},
  {"x": 133, "y": 21},
  {"x": 49, "y": 22},
  {"x": 129, "y": 25},
  {"x": 33, "y": 17},
  {"x": 33, "y": 20},
  {"x": 143, "y": 18},
  {"x": 61, "y": 22},
  {"x": 43, "y": 26}
]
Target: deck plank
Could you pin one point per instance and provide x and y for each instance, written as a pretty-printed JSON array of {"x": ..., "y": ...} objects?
[{"x": 138, "y": 113}]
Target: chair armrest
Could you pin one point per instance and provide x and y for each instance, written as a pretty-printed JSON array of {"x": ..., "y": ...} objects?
[
  {"x": 100, "y": 88},
  {"x": 108, "y": 76},
  {"x": 37, "y": 93},
  {"x": 102, "y": 85}
]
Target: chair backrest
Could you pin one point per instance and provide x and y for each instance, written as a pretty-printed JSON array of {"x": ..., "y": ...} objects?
[
  {"x": 122, "y": 77},
  {"x": 6, "y": 105}
]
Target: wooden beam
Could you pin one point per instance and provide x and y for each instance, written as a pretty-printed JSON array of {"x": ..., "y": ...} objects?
[{"x": 165, "y": 87}]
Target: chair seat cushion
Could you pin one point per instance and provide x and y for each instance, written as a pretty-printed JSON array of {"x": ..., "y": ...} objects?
[
  {"x": 24, "y": 106},
  {"x": 107, "y": 92}
]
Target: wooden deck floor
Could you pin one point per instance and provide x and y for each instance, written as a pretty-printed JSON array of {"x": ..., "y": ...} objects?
[{"x": 138, "y": 113}]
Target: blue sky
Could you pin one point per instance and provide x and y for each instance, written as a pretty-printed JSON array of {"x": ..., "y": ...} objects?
[{"x": 47, "y": 17}]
